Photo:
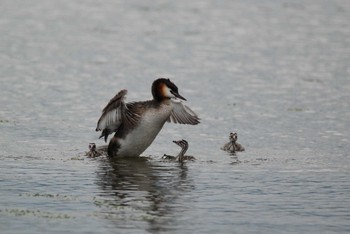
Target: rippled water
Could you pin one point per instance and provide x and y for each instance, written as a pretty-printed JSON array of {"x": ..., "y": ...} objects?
[{"x": 277, "y": 72}]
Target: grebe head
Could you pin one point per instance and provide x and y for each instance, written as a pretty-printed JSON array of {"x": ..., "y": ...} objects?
[
  {"x": 233, "y": 136},
  {"x": 92, "y": 146},
  {"x": 163, "y": 88},
  {"x": 182, "y": 143}
]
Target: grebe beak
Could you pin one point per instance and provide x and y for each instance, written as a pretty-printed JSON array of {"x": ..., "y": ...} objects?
[{"x": 176, "y": 94}]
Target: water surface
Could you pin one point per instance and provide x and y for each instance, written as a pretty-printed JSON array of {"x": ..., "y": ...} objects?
[{"x": 276, "y": 72}]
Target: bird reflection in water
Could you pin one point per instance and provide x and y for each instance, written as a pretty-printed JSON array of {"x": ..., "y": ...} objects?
[{"x": 135, "y": 190}]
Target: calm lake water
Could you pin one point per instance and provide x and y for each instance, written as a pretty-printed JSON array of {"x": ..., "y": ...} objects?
[{"x": 276, "y": 72}]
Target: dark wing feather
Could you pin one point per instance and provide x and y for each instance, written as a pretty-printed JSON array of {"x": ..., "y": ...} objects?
[{"x": 182, "y": 114}]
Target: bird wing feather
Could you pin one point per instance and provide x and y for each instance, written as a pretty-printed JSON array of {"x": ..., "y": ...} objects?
[
  {"x": 115, "y": 113},
  {"x": 182, "y": 114}
]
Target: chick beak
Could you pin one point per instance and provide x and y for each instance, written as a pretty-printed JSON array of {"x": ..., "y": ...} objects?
[{"x": 176, "y": 94}]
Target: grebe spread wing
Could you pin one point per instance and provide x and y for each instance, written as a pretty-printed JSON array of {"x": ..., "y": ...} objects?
[
  {"x": 114, "y": 114},
  {"x": 182, "y": 114}
]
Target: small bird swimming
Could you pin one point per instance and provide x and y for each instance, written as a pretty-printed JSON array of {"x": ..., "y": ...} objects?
[
  {"x": 92, "y": 153},
  {"x": 181, "y": 156},
  {"x": 233, "y": 146},
  {"x": 136, "y": 124}
]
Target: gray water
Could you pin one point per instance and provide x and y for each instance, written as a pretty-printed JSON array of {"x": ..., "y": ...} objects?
[{"x": 276, "y": 72}]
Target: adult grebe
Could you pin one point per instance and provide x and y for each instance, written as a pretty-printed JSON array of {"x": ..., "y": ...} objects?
[{"x": 136, "y": 124}]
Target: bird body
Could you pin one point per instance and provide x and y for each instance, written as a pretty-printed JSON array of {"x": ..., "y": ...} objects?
[
  {"x": 137, "y": 124},
  {"x": 134, "y": 141},
  {"x": 93, "y": 152},
  {"x": 233, "y": 146}
]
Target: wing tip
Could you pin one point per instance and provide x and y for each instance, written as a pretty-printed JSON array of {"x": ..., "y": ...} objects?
[{"x": 123, "y": 92}]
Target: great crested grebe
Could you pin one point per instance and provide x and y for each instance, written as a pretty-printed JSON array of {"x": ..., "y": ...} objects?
[
  {"x": 233, "y": 146},
  {"x": 181, "y": 156},
  {"x": 92, "y": 153},
  {"x": 136, "y": 124}
]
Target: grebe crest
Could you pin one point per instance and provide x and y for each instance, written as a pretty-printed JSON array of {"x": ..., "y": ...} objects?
[
  {"x": 136, "y": 124},
  {"x": 163, "y": 88}
]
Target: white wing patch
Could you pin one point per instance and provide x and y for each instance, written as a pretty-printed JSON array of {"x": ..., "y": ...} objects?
[
  {"x": 114, "y": 114},
  {"x": 110, "y": 120}
]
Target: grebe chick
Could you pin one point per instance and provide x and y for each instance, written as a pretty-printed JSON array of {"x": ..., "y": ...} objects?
[
  {"x": 92, "y": 151},
  {"x": 136, "y": 124},
  {"x": 233, "y": 146},
  {"x": 184, "y": 146},
  {"x": 181, "y": 156}
]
